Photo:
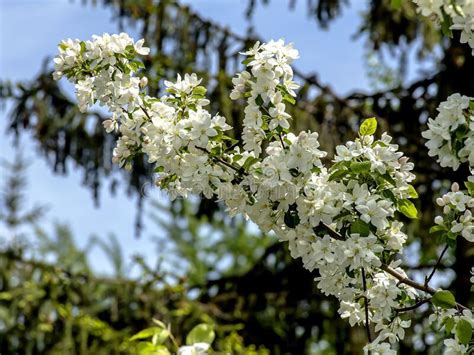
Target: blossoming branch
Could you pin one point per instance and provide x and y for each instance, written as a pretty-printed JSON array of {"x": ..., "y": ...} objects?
[{"x": 342, "y": 220}]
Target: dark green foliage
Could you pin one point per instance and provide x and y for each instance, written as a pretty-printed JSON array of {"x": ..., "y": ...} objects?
[{"x": 51, "y": 300}]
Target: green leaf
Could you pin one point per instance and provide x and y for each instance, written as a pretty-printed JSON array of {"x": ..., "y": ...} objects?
[
  {"x": 360, "y": 227},
  {"x": 136, "y": 64},
  {"x": 159, "y": 323},
  {"x": 290, "y": 99},
  {"x": 462, "y": 131},
  {"x": 396, "y": 4},
  {"x": 407, "y": 208},
  {"x": 390, "y": 195},
  {"x": 159, "y": 333},
  {"x": 389, "y": 179},
  {"x": 443, "y": 299},
  {"x": 247, "y": 60},
  {"x": 470, "y": 187},
  {"x": 446, "y": 25},
  {"x": 437, "y": 229},
  {"x": 316, "y": 169},
  {"x": 201, "y": 333},
  {"x": 249, "y": 162},
  {"x": 216, "y": 151},
  {"x": 337, "y": 174},
  {"x": 160, "y": 336},
  {"x": 161, "y": 350},
  {"x": 199, "y": 91},
  {"x": 150, "y": 349},
  {"x": 464, "y": 331},
  {"x": 448, "y": 324},
  {"x": 237, "y": 157},
  {"x": 412, "y": 192},
  {"x": 83, "y": 47},
  {"x": 368, "y": 126},
  {"x": 359, "y": 167},
  {"x": 452, "y": 235}
]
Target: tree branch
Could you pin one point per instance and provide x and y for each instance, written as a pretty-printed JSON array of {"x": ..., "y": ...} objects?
[{"x": 407, "y": 281}]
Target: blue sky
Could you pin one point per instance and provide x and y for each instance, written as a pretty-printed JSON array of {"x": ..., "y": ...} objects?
[{"x": 30, "y": 31}]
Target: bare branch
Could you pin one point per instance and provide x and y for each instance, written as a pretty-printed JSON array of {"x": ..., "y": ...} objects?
[{"x": 428, "y": 279}]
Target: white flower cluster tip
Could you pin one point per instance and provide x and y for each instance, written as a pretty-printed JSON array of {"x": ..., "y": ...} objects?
[
  {"x": 455, "y": 14},
  {"x": 103, "y": 69},
  {"x": 458, "y": 208},
  {"x": 451, "y": 134},
  {"x": 267, "y": 87}
]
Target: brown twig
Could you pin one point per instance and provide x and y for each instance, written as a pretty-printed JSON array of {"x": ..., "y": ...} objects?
[
  {"x": 366, "y": 306},
  {"x": 332, "y": 233},
  {"x": 428, "y": 279},
  {"x": 145, "y": 112},
  {"x": 222, "y": 161},
  {"x": 415, "y": 306}
]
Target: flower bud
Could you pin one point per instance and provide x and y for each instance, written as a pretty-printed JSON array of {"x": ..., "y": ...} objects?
[
  {"x": 446, "y": 209},
  {"x": 110, "y": 125},
  {"x": 438, "y": 220},
  {"x": 235, "y": 94},
  {"x": 455, "y": 187},
  {"x": 440, "y": 202},
  {"x": 143, "y": 81},
  {"x": 403, "y": 160}
]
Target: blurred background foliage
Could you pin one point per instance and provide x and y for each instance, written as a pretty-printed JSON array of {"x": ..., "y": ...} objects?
[{"x": 212, "y": 268}]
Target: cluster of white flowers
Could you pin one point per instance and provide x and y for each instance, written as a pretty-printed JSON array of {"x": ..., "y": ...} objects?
[
  {"x": 451, "y": 134},
  {"x": 458, "y": 208},
  {"x": 341, "y": 220},
  {"x": 358, "y": 197},
  {"x": 450, "y": 321},
  {"x": 456, "y": 15},
  {"x": 267, "y": 87},
  {"x": 103, "y": 69}
]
